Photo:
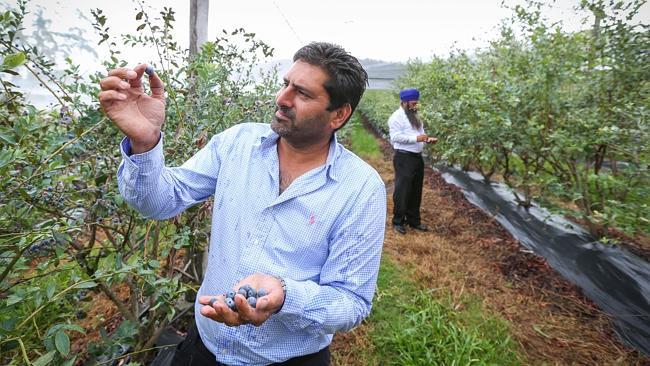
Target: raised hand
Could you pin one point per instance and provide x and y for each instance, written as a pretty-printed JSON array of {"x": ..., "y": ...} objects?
[{"x": 138, "y": 115}]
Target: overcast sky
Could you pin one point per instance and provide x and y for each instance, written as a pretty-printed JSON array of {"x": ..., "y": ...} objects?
[{"x": 378, "y": 29}]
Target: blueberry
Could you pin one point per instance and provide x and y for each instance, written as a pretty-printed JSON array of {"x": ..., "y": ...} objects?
[
  {"x": 261, "y": 292},
  {"x": 212, "y": 301},
  {"x": 242, "y": 291},
  {"x": 251, "y": 293},
  {"x": 230, "y": 294},
  {"x": 149, "y": 70},
  {"x": 81, "y": 314},
  {"x": 231, "y": 304},
  {"x": 252, "y": 301}
]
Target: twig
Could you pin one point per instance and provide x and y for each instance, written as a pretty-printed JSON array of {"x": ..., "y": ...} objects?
[{"x": 185, "y": 274}]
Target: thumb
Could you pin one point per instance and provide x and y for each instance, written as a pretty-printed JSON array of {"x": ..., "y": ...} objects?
[
  {"x": 155, "y": 82},
  {"x": 157, "y": 86}
]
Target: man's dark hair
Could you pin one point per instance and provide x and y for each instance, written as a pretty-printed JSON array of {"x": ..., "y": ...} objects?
[{"x": 347, "y": 79}]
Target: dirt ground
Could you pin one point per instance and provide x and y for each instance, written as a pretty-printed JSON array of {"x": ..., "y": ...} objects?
[{"x": 469, "y": 253}]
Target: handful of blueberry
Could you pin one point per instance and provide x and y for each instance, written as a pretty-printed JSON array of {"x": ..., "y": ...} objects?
[{"x": 250, "y": 293}]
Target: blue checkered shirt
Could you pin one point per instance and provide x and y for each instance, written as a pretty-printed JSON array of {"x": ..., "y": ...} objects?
[{"x": 323, "y": 235}]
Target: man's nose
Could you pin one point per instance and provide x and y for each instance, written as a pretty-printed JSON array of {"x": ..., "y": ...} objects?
[{"x": 284, "y": 97}]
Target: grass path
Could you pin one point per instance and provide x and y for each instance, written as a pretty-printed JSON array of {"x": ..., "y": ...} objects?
[{"x": 465, "y": 293}]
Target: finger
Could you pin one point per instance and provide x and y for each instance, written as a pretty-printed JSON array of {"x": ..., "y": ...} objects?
[
  {"x": 123, "y": 73},
  {"x": 155, "y": 82},
  {"x": 232, "y": 319},
  {"x": 215, "y": 311},
  {"x": 209, "y": 299},
  {"x": 265, "y": 307},
  {"x": 250, "y": 315},
  {"x": 157, "y": 86},
  {"x": 210, "y": 312},
  {"x": 111, "y": 96},
  {"x": 136, "y": 81},
  {"x": 263, "y": 304},
  {"x": 113, "y": 83},
  {"x": 227, "y": 315},
  {"x": 220, "y": 312},
  {"x": 246, "y": 312}
]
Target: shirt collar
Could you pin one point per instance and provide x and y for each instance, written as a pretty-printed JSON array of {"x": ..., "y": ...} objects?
[{"x": 270, "y": 139}]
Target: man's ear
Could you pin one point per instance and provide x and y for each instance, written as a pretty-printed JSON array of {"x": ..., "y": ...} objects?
[{"x": 340, "y": 115}]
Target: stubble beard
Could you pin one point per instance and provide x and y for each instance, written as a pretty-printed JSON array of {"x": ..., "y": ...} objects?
[
  {"x": 306, "y": 133},
  {"x": 284, "y": 127}
]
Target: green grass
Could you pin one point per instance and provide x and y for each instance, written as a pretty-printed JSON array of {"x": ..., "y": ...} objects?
[
  {"x": 359, "y": 140},
  {"x": 414, "y": 325},
  {"x": 410, "y": 325}
]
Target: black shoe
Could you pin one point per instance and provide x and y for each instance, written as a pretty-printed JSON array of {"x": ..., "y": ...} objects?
[
  {"x": 400, "y": 229},
  {"x": 420, "y": 227}
]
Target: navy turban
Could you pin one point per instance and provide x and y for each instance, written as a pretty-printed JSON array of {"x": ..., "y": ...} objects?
[{"x": 408, "y": 95}]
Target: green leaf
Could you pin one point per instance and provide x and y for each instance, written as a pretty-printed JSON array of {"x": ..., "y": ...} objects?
[
  {"x": 62, "y": 343},
  {"x": 86, "y": 284},
  {"x": 7, "y": 138},
  {"x": 63, "y": 326},
  {"x": 13, "y": 299},
  {"x": 5, "y": 158},
  {"x": 49, "y": 291},
  {"x": 13, "y": 60},
  {"x": 139, "y": 15},
  {"x": 70, "y": 362},
  {"x": 45, "y": 359}
]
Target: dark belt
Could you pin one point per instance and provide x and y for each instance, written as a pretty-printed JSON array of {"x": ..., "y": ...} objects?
[{"x": 408, "y": 152}]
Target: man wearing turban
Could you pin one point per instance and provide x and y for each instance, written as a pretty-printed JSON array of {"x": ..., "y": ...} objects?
[{"x": 408, "y": 139}]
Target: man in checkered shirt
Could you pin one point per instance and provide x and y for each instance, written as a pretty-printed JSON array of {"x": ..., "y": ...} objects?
[{"x": 295, "y": 213}]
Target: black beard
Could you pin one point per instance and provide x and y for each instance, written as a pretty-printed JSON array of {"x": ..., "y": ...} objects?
[{"x": 412, "y": 115}]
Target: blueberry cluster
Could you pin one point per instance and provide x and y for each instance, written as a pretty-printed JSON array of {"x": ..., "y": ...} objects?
[
  {"x": 41, "y": 248},
  {"x": 250, "y": 293}
]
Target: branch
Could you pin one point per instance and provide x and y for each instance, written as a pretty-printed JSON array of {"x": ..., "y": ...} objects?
[{"x": 111, "y": 295}]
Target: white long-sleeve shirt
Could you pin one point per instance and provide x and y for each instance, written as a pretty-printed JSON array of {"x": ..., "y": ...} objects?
[{"x": 402, "y": 135}]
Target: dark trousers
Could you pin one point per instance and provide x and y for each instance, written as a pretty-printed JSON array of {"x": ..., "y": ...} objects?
[
  {"x": 192, "y": 352},
  {"x": 407, "y": 195}
]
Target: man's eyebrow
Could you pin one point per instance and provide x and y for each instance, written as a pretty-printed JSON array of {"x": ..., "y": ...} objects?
[{"x": 298, "y": 86}]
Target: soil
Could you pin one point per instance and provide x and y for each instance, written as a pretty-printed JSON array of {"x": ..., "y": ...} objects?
[{"x": 469, "y": 253}]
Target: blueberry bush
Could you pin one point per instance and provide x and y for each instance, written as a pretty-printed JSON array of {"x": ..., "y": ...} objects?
[
  {"x": 66, "y": 236},
  {"x": 561, "y": 117}
]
